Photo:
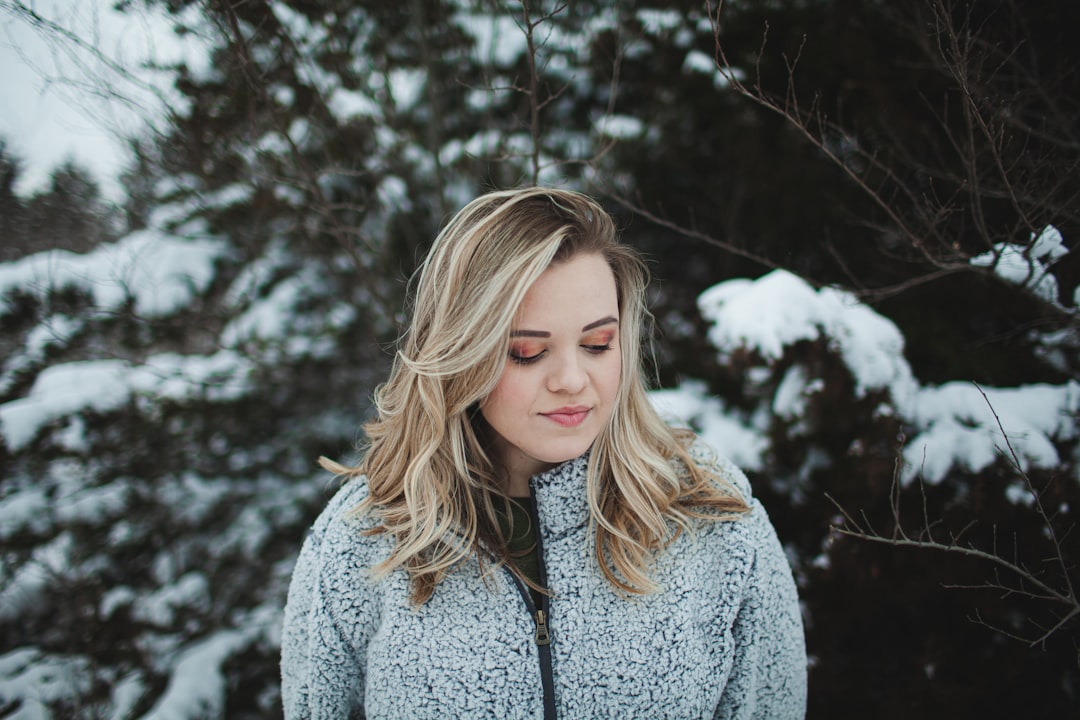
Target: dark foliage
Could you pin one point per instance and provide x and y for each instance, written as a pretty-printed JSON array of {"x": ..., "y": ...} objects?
[{"x": 319, "y": 153}]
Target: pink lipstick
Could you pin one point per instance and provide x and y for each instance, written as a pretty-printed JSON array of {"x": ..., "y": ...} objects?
[{"x": 571, "y": 416}]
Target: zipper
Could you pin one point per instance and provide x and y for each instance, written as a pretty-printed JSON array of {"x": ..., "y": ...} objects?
[
  {"x": 541, "y": 617},
  {"x": 543, "y": 636}
]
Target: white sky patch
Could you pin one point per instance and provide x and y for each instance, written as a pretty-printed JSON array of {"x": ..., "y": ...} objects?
[{"x": 64, "y": 100}]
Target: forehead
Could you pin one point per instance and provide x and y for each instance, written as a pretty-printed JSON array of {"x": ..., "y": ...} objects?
[{"x": 570, "y": 294}]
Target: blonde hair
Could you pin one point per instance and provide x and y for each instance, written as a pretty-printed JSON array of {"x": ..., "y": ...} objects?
[{"x": 432, "y": 482}]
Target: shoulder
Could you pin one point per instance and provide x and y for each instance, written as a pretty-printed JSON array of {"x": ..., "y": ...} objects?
[
  {"x": 753, "y": 529},
  {"x": 341, "y": 529},
  {"x": 337, "y": 554},
  {"x": 342, "y": 507}
]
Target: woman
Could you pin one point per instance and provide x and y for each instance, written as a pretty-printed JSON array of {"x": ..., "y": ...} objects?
[{"x": 524, "y": 536}]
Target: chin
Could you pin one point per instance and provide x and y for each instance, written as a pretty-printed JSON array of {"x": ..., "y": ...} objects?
[{"x": 566, "y": 452}]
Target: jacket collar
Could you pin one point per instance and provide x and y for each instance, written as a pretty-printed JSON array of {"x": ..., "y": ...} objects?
[{"x": 560, "y": 495}]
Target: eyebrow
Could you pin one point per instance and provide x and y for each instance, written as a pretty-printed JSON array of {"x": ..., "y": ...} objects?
[{"x": 545, "y": 334}]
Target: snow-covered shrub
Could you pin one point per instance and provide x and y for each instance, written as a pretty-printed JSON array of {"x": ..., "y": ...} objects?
[{"x": 828, "y": 417}]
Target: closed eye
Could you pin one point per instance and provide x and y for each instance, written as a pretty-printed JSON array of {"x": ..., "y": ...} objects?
[
  {"x": 526, "y": 359},
  {"x": 599, "y": 342}
]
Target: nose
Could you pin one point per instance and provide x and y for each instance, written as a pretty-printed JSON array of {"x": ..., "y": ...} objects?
[{"x": 567, "y": 375}]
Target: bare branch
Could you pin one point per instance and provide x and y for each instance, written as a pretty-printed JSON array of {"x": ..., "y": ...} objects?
[
  {"x": 985, "y": 159},
  {"x": 1022, "y": 581}
]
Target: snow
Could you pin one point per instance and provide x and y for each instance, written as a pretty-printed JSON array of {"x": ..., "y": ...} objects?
[
  {"x": 655, "y": 22},
  {"x": 125, "y": 695},
  {"x": 32, "y": 678},
  {"x": 63, "y": 100},
  {"x": 194, "y": 497},
  {"x": 268, "y": 317},
  {"x": 160, "y": 275},
  {"x": 347, "y": 104},
  {"x": 24, "y": 593},
  {"x": 61, "y": 390},
  {"x": 53, "y": 332},
  {"x": 790, "y": 401},
  {"x": 958, "y": 427},
  {"x": 497, "y": 39},
  {"x": 159, "y": 608},
  {"x": 116, "y": 598},
  {"x": 155, "y": 273},
  {"x": 698, "y": 62},
  {"x": 780, "y": 309},
  {"x": 1028, "y": 265},
  {"x": 197, "y": 687},
  {"x": 406, "y": 86},
  {"x": 91, "y": 505},
  {"x": 620, "y": 127},
  {"x": 103, "y": 385},
  {"x": 393, "y": 192},
  {"x": 158, "y": 272},
  {"x": 954, "y": 424},
  {"x": 689, "y": 405},
  {"x": 24, "y": 510}
]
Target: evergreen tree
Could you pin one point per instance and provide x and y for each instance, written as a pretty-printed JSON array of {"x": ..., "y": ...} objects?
[
  {"x": 11, "y": 207},
  {"x": 163, "y": 397},
  {"x": 70, "y": 215}
]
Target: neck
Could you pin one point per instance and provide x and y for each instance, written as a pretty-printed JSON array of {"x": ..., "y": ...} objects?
[
  {"x": 518, "y": 471},
  {"x": 517, "y": 486},
  {"x": 517, "y": 467}
]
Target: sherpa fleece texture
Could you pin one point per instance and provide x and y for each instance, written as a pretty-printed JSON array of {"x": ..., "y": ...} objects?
[{"x": 723, "y": 639}]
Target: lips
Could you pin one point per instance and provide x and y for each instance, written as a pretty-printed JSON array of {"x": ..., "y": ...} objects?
[{"x": 570, "y": 416}]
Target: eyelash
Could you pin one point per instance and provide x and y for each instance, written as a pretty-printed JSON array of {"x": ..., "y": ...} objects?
[{"x": 592, "y": 349}]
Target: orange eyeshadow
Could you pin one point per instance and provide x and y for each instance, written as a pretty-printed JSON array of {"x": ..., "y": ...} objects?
[
  {"x": 599, "y": 338},
  {"x": 525, "y": 349}
]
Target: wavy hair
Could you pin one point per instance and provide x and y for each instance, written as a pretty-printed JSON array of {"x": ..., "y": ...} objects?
[{"x": 433, "y": 482}]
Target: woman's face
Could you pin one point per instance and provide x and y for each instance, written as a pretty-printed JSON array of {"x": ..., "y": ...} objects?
[{"x": 558, "y": 388}]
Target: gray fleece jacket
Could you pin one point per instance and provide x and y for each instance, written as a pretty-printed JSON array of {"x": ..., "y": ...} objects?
[{"x": 723, "y": 639}]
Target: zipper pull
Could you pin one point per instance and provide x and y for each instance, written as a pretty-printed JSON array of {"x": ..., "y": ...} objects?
[{"x": 543, "y": 636}]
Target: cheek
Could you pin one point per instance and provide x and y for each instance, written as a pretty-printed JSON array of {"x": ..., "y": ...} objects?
[
  {"x": 611, "y": 377},
  {"x": 509, "y": 394}
]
